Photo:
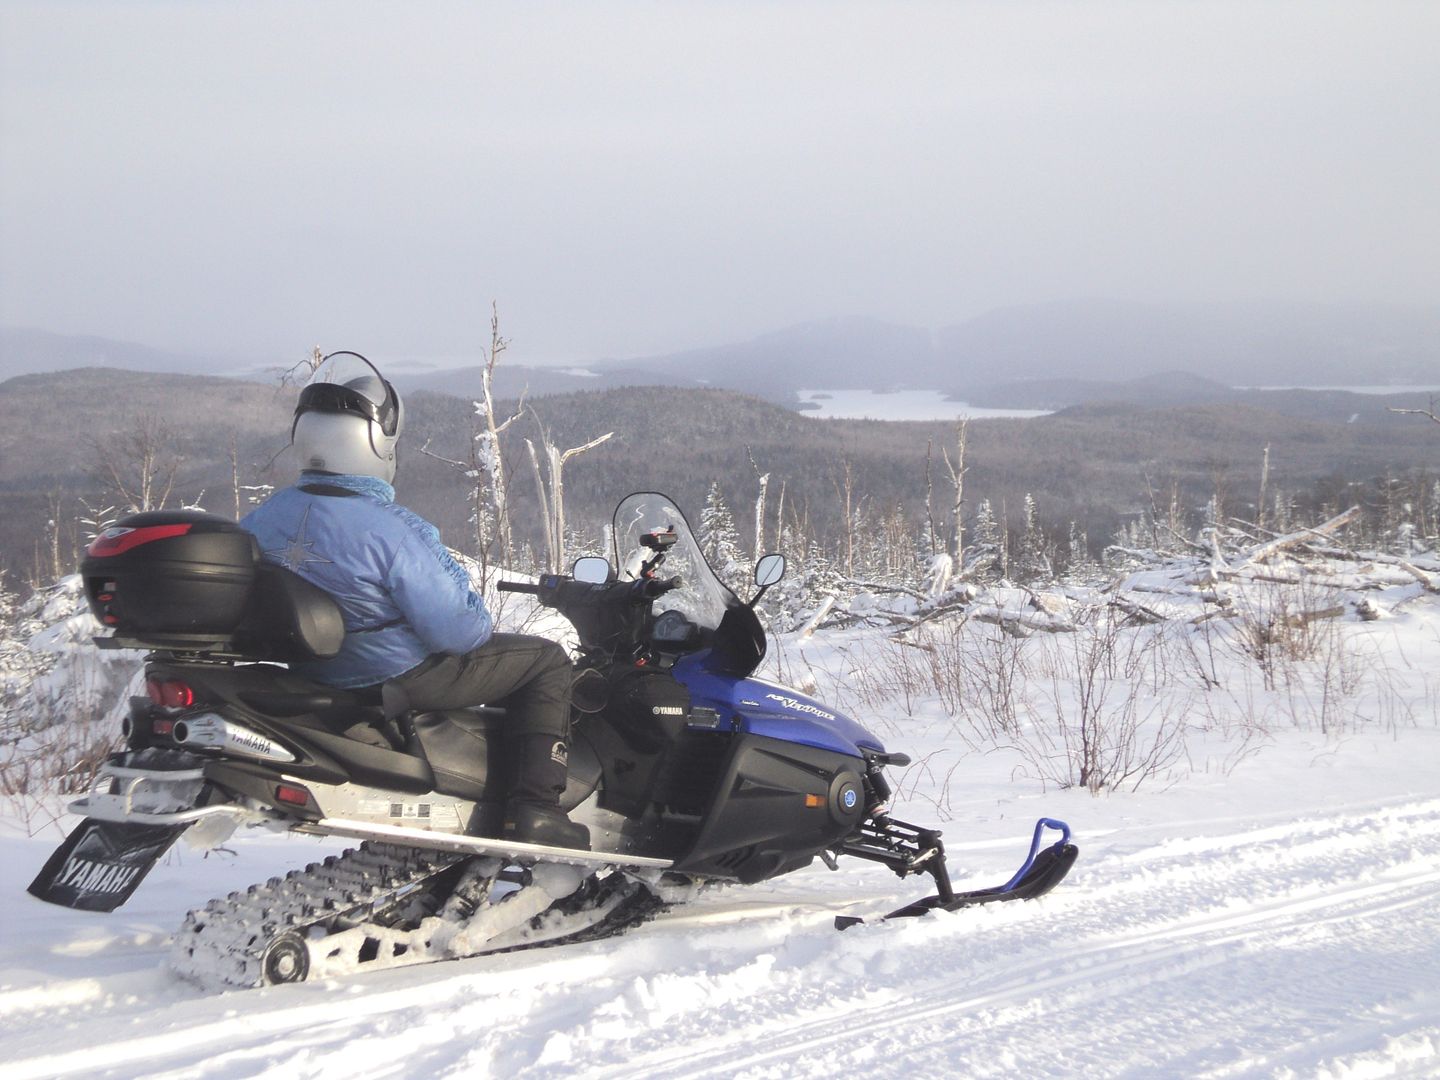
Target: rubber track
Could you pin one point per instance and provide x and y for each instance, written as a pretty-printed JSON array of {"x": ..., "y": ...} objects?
[
  {"x": 639, "y": 907},
  {"x": 221, "y": 946}
]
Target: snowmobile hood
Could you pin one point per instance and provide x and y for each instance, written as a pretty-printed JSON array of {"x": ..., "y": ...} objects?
[{"x": 778, "y": 712}]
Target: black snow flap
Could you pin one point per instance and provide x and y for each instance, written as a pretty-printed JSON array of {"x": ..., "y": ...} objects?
[{"x": 101, "y": 863}]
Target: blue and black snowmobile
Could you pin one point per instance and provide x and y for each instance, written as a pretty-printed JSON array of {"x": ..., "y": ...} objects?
[{"x": 687, "y": 769}]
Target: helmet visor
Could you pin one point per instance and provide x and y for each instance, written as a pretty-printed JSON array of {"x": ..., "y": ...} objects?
[{"x": 345, "y": 382}]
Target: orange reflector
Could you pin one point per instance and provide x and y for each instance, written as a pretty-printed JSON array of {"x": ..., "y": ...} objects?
[
  {"x": 814, "y": 800},
  {"x": 295, "y": 796}
]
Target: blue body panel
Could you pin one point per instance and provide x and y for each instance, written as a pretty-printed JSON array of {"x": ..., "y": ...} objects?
[{"x": 769, "y": 709}]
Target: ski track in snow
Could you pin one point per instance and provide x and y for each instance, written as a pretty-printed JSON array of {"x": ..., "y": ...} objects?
[{"x": 1288, "y": 946}]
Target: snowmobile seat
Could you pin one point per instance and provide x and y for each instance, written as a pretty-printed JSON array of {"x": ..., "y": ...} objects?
[{"x": 288, "y": 620}]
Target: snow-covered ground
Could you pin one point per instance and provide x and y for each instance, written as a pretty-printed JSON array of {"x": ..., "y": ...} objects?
[
  {"x": 1278, "y": 921},
  {"x": 1266, "y": 908}
]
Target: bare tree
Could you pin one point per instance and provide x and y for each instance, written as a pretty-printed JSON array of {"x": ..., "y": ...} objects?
[
  {"x": 780, "y": 518},
  {"x": 1264, "y": 487},
  {"x": 763, "y": 480},
  {"x": 52, "y": 566},
  {"x": 138, "y": 464},
  {"x": 551, "y": 490},
  {"x": 957, "y": 478},
  {"x": 1167, "y": 523},
  {"x": 298, "y": 373},
  {"x": 485, "y": 468},
  {"x": 932, "y": 535},
  {"x": 846, "y": 494},
  {"x": 487, "y": 452},
  {"x": 235, "y": 471}
]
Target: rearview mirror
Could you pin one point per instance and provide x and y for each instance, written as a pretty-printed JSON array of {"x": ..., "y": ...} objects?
[
  {"x": 769, "y": 570},
  {"x": 592, "y": 569}
]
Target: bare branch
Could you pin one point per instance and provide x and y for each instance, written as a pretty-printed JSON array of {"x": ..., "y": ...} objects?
[
  {"x": 298, "y": 373},
  {"x": 568, "y": 454},
  {"x": 463, "y": 465},
  {"x": 1432, "y": 413}
]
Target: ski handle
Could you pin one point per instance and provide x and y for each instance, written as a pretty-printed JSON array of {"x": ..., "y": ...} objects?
[{"x": 1040, "y": 827}]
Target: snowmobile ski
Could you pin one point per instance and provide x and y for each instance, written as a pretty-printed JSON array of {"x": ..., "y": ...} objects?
[{"x": 1041, "y": 871}]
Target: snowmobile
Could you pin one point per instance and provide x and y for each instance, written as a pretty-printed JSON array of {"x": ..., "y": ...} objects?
[{"x": 687, "y": 770}]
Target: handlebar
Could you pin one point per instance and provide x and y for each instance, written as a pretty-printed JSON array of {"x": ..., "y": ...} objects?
[
  {"x": 650, "y": 588},
  {"x": 644, "y": 589},
  {"x": 517, "y": 586},
  {"x": 613, "y": 617}
]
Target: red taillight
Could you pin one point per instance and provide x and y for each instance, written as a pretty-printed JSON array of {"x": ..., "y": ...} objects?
[
  {"x": 119, "y": 540},
  {"x": 163, "y": 727},
  {"x": 170, "y": 693},
  {"x": 295, "y": 796}
]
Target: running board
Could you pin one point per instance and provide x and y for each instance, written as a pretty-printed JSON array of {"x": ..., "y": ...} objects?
[{"x": 479, "y": 845}]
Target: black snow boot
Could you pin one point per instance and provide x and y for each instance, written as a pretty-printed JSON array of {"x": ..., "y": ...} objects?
[{"x": 532, "y": 812}]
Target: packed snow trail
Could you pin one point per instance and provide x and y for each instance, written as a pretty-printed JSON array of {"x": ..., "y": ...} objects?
[{"x": 1273, "y": 943}]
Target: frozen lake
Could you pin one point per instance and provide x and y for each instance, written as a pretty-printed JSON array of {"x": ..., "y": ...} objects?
[
  {"x": 898, "y": 405},
  {"x": 932, "y": 405},
  {"x": 1433, "y": 389}
]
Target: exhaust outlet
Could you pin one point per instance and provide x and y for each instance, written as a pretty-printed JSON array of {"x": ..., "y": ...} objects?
[{"x": 214, "y": 732}]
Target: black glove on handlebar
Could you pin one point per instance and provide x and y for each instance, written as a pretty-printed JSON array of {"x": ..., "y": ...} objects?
[{"x": 650, "y": 588}]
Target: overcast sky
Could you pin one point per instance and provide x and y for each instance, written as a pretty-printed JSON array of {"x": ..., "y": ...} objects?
[{"x": 632, "y": 178}]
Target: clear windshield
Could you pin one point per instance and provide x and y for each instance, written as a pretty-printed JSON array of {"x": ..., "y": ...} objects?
[
  {"x": 354, "y": 372},
  {"x": 701, "y": 595}
]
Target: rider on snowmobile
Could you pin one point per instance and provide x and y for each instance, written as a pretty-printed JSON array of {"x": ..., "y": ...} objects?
[{"x": 413, "y": 623}]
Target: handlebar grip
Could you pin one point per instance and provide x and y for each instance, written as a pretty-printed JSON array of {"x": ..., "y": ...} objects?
[
  {"x": 517, "y": 586},
  {"x": 652, "y": 588}
]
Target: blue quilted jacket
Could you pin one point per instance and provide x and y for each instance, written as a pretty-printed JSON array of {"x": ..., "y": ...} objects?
[{"x": 402, "y": 594}]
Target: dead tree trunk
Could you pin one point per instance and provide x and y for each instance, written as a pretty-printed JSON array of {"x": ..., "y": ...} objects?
[
  {"x": 957, "y": 478},
  {"x": 551, "y": 492},
  {"x": 764, "y": 482},
  {"x": 488, "y": 458},
  {"x": 1323, "y": 532}
]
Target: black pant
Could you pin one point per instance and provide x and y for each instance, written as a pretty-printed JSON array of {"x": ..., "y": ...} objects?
[{"x": 528, "y": 676}]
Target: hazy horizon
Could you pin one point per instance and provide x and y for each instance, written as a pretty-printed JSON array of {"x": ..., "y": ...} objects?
[{"x": 642, "y": 179}]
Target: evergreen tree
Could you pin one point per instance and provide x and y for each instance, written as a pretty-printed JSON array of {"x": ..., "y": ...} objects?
[
  {"x": 719, "y": 542},
  {"x": 985, "y": 558},
  {"x": 1079, "y": 566},
  {"x": 1033, "y": 562}
]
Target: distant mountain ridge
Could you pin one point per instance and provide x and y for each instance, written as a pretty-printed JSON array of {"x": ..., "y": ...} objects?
[
  {"x": 1039, "y": 355},
  {"x": 1237, "y": 344},
  {"x": 28, "y": 351},
  {"x": 1095, "y": 341}
]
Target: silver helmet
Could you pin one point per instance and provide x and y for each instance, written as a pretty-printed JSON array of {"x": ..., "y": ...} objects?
[{"x": 348, "y": 419}]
